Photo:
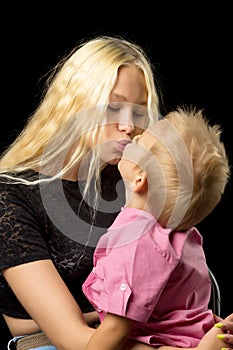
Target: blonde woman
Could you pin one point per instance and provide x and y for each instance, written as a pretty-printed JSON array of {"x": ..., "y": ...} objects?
[{"x": 60, "y": 187}]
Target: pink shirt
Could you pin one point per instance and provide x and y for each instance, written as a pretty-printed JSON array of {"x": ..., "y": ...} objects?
[{"x": 156, "y": 277}]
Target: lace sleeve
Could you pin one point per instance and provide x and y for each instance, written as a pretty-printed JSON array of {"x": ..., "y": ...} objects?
[{"x": 22, "y": 236}]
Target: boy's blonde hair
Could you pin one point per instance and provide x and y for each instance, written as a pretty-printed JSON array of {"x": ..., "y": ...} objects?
[{"x": 193, "y": 165}]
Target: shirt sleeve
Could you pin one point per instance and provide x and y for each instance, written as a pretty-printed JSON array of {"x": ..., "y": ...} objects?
[
  {"x": 130, "y": 279},
  {"x": 21, "y": 229}
]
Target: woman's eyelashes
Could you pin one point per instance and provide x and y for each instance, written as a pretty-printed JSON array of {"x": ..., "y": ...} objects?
[{"x": 125, "y": 112}]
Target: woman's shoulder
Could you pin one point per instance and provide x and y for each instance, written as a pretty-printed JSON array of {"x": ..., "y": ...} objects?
[
  {"x": 21, "y": 177},
  {"x": 16, "y": 188}
]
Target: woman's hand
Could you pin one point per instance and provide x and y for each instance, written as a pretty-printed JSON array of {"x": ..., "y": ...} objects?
[
  {"x": 226, "y": 327},
  {"x": 219, "y": 337}
]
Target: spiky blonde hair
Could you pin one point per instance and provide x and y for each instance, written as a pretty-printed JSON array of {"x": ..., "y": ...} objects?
[{"x": 193, "y": 166}]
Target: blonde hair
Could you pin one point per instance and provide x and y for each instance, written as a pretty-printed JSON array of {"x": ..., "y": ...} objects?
[
  {"x": 79, "y": 82},
  {"x": 194, "y": 166}
]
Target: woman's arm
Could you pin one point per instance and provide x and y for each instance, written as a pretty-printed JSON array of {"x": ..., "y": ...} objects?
[
  {"x": 42, "y": 292},
  {"x": 211, "y": 341},
  {"x": 114, "y": 330},
  {"x": 111, "y": 334},
  {"x": 218, "y": 337},
  {"x": 44, "y": 295}
]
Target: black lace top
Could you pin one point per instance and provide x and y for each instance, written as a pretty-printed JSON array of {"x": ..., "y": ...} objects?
[{"x": 51, "y": 221}]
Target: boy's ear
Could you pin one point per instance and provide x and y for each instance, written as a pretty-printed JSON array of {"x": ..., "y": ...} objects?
[{"x": 140, "y": 182}]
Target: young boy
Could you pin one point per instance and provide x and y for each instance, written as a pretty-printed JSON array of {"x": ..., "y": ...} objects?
[{"x": 150, "y": 280}]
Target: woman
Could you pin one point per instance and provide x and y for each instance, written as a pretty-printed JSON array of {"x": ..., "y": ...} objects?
[
  {"x": 49, "y": 169},
  {"x": 60, "y": 189}
]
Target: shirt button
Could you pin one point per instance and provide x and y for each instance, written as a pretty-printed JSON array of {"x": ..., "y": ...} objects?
[{"x": 123, "y": 286}]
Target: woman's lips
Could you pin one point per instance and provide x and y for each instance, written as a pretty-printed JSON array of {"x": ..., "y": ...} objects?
[{"x": 121, "y": 144}]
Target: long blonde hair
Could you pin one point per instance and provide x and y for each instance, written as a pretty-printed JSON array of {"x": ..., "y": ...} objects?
[
  {"x": 82, "y": 80},
  {"x": 72, "y": 104}
]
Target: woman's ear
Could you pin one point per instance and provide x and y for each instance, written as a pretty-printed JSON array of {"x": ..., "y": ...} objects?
[{"x": 140, "y": 184}]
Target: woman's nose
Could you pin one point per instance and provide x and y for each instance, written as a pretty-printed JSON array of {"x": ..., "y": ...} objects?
[
  {"x": 126, "y": 122},
  {"x": 126, "y": 127}
]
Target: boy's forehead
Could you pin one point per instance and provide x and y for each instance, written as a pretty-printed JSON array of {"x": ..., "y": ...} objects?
[
  {"x": 153, "y": 132},
  {"x": 161, "y": 126},
  {"x": 147, "y": 139}
]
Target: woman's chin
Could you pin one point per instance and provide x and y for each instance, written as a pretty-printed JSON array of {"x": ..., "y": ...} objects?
[{"x": 114, "y": 161}]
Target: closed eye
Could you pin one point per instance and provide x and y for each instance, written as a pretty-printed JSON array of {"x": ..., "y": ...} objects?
[{"x": 113, "y": 109}]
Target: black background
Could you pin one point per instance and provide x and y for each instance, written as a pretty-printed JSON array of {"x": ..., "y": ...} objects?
[{"x": 190, "y": 47}]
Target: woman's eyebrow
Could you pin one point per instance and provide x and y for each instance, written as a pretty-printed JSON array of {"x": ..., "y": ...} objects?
[{"x": 123, "y": 98}]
